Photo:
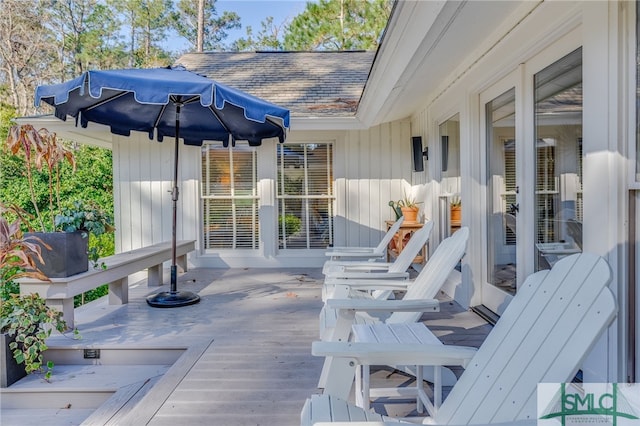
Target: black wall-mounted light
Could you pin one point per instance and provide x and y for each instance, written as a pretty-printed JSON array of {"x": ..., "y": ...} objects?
[
  {"x": 418, "y": 153},
  {"x": 445, "y": 152}
]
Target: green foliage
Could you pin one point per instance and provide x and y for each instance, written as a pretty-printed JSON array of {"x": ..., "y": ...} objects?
[
  {"x": 91, "y": 295},
  {"x": 292, "y": 224},
  {"x": 185, "y": 22},
  {"x": 338, "y": 25},
  {"x": 30, "y": 321},
  {"x": 267, "y": 39},
  {"x": 8, "y": 286}
]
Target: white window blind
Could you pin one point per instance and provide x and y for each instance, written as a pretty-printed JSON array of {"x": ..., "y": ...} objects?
[
  {"x": 509, "y": 195},
  {"x": 546, "y": 189},
  {"x": 229, "y": 197},
  {"x": 305, "y": 195}
]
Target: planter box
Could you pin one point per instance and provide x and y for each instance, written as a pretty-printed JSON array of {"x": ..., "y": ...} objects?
[
  {"x": 69, "y": 254},
  {"x": 10, "y": 370}
]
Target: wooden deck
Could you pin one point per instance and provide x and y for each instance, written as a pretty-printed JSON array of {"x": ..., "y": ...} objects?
[{"x": 249, "y": 361}]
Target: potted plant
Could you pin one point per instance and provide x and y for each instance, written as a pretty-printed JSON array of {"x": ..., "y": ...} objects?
[
  {"x": 455, "y": 206},
  {"x": 65, "y": 253},
  {"x": 25, "y": 321},
  {"x": 409, "y": 207}
]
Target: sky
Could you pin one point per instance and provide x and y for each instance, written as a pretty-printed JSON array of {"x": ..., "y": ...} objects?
[{"x": 253, "y": 12}]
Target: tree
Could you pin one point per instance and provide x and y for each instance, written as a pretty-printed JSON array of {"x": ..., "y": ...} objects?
[
  {"x": 185, "y": 22},
  {"x": 338, "y": 25},
  {"x": 268, "y": 38},
  {"x": 88, "y": 35},
  {"x": 27, "y": 52},
  {"x": 147, "y": 22}
]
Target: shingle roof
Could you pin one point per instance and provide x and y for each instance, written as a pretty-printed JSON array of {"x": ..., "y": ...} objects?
[{"x": 318, "y": 84}]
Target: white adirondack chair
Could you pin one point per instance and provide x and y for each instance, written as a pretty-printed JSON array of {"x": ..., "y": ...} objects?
[
  {"x": 338, "y": 315},
  {"x": 337, "y": 272},
  {"x": 377, "y": 252},
  {"x": 543, "y": 336}
]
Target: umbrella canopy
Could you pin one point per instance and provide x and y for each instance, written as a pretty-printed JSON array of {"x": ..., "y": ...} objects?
[
  {"x": 166, "y": 102},
  {"x": 146, "y": 100}
]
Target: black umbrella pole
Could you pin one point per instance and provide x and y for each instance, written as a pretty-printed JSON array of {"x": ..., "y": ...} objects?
[{"x": 174, "y": 298}]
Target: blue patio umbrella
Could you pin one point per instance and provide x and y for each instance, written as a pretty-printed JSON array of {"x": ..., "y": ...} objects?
[{"x": 169, "y": 102}]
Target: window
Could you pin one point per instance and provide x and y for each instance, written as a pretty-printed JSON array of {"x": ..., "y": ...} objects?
[
  {"x": 305, "y": 195},
  {"x": 229, "y": 197}
]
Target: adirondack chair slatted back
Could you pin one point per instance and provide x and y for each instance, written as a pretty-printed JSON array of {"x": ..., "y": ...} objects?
[
  {"x": 409, "y": 252},
  {"x": 434, "y": 274},
  {"x": 542, "y": 337},
  {"x": 382, "y": 246}
]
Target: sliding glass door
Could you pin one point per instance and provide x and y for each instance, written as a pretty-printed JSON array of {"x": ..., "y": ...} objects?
[{"x": 558, "y": 157}]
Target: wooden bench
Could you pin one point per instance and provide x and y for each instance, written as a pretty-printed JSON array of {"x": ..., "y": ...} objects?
[{"x": 59, "y": 292}]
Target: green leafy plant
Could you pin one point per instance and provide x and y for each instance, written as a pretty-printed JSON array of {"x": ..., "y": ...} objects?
[
  {"x": 86, "y": 217},
  {"x": 455, "y": 201},
  {"x": 292, "y": 224},
  {"x": 408, "y": 201}
]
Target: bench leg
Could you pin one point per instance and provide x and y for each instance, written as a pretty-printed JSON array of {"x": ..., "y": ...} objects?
[
  {"x": 119, "y": 291},
  {"x": 154, "y": 276},
  {"x": 181, "y": 261},
  {"x": 66, "y": 307}
]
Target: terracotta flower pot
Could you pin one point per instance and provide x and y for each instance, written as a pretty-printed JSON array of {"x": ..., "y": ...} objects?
[
  {"x": 456, "y": 214},
  {"x": 410, "y": 214}
]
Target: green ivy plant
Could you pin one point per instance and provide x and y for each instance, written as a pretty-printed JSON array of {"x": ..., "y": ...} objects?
[{"x": 30, "y": 321}]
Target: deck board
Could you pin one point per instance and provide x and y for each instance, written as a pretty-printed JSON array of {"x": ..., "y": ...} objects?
[{"x": 250, "y": 335}]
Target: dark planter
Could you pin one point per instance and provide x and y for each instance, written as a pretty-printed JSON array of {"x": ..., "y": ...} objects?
[
  {"x": 69, "y": 254},
  {"x": 10, "y": 370}
]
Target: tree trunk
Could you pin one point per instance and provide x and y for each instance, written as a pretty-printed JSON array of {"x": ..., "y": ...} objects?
[{"x": 200, "y": 40}]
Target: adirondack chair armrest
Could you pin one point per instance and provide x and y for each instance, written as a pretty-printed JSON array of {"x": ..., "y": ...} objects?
[
  {"x": 352, "y": 274},
  {"x": 360, "y": 264},
  {"x": 354, "y": 251},
  {"x": 397, "y": 354},
  {"x": 374, "y": 305},
  {"x": 347, "y": 248},
  {"x": 371, "y": 284}
]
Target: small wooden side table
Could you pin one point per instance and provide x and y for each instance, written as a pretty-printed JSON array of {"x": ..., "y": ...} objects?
[{"x": 401, "y": 238}]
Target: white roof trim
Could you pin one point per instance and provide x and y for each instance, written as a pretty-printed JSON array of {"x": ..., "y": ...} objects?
[
  {"x": 100, "y": 135},
  {"x": 94, "y": 134}
]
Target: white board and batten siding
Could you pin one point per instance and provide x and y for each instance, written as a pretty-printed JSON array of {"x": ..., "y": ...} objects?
[
  {"x": 371, "y": 167},
  {"x": 143, "y": 174}
]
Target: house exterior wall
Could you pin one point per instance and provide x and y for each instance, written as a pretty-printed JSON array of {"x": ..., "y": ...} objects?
[
  {"x": 520, "y": 48},
  {"x": 371, "y": 167}
]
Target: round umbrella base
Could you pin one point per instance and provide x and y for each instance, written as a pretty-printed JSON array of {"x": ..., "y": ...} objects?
[{"x": 172, "y": 299}]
